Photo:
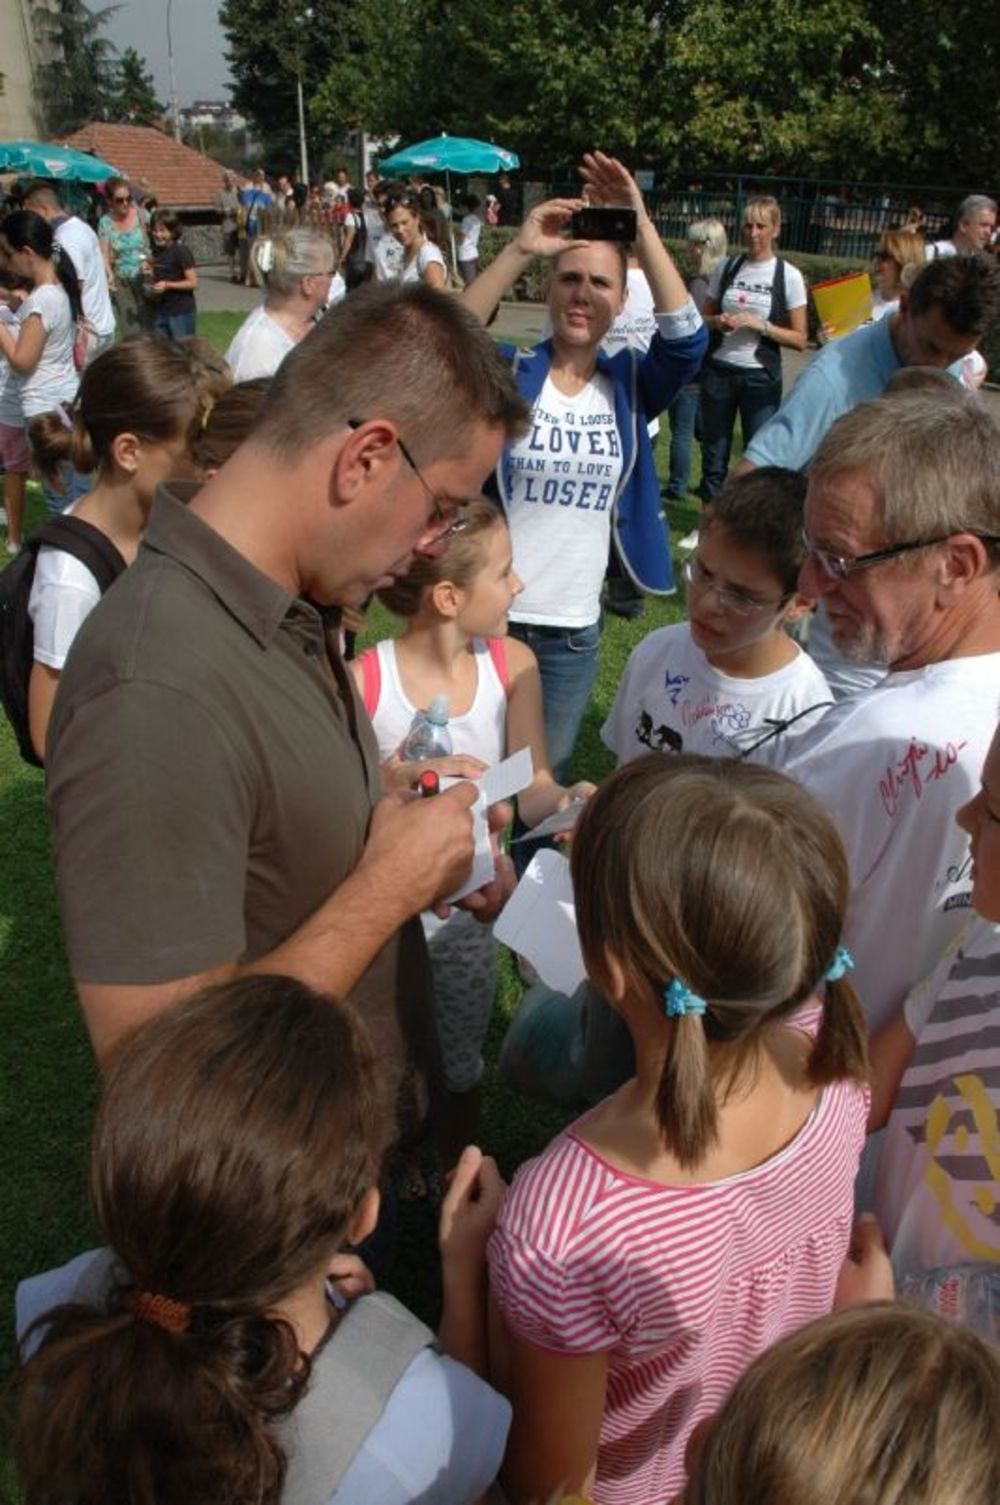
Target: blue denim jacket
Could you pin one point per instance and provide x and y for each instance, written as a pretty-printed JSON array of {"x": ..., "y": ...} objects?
[{"x": 644, "y": 385}]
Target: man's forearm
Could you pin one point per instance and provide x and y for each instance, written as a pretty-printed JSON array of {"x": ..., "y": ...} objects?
[{"x": 336, "y": 945}]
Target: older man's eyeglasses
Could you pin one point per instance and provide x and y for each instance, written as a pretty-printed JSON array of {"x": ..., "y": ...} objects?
[
  {"x": 841, "y": 566},
  {"x": 446, "y": 517}
]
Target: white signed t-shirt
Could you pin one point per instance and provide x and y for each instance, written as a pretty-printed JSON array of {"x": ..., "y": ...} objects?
[
  {"x": 671, "y": 699},
  {"x": 892, "y": 766},
  {"x": 563, "y": 475}
]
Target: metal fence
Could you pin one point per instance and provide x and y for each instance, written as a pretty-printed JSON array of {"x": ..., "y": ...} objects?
[{"x": 822, "y": 217}]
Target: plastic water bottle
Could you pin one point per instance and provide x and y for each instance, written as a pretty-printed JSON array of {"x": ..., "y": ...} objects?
[{"x": 429, "y": 736}]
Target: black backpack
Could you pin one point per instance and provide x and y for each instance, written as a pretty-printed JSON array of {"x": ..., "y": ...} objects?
[{"x": 17, "y": 633}]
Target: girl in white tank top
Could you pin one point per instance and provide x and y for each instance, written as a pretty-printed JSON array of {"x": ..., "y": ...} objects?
[{"x": 454, "y": 644}]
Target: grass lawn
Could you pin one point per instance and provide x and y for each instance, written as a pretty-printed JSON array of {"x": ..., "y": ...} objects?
[{"x": 48, "y": 1083}]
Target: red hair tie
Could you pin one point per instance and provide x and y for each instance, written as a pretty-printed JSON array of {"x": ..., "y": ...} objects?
[{"x": 162, "y": 1311}]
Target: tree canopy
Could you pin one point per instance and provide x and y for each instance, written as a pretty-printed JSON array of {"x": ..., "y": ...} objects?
[
  {"x": 77, "y": 85},
  {"x": 86, "y": 80},
  {"x": 134, "y": 93},
  {"x": 836, "y": 88}
]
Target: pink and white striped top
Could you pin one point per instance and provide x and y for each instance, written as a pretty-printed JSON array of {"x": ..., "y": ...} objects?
[{"x": 681, "y": 1286}]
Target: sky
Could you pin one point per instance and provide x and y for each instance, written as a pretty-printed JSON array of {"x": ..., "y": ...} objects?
[{"x": 199, "y": 62}]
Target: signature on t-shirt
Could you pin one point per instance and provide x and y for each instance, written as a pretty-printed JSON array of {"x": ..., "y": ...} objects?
[{"x": 919, "y": 766}]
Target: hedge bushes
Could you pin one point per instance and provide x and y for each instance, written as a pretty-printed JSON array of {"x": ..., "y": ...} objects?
[{"x": 532, "y": 287}]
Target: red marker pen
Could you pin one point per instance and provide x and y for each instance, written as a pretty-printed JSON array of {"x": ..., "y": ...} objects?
[{"x": 428, "y": 784}]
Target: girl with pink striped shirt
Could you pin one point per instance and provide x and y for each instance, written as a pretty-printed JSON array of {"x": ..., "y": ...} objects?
[{"x": 701, "y": 1212}]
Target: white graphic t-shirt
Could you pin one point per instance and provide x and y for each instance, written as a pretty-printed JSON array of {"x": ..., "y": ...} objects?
[
  {"x": 892, "y": 766},
  {"x": 937, "y": 1196},
  {"x": 671, "y": 699},
  {"x": 563, "y": 476},
  {"x": 750, "y": 293}
]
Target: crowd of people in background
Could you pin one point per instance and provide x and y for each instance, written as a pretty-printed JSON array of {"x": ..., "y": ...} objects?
[{"x": 787, "y": 895}]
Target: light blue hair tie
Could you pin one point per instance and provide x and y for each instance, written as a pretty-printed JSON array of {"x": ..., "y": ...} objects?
[
  {"x": 679, "y": 1000},
  {"x": 843, "y": 962}
]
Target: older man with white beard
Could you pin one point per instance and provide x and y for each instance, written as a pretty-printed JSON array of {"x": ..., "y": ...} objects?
[{"x": 902, "y": 523}]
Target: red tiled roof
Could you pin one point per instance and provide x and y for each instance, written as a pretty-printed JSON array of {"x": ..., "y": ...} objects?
[{"x": 178, "y": 175}]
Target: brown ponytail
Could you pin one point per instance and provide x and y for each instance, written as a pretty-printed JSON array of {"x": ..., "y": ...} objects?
[
  {"x": 236, "y": 1139},
  {"x": 146, "y": 386},
  {"x": 841, "y": 1048},
  {"x": 732, "y": 879},
  {"x": 686, "y": 1108},
  {"x": 118, "y": 1409},
  {"x": 57, "y": 437}
]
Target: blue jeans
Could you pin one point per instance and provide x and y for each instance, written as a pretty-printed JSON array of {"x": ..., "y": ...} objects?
[
  {"x": 726, "y": 391},
  {"x": 175, "y": 326},
  {"x": 682, "y": 413},
  {"x": 567, "y": 663}
]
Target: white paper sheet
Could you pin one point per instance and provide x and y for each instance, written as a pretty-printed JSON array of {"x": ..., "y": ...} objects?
[
  {"x": 554, "y": 825},
  {"x": 539, "y": 922},
  {"x": 499, "y": 783}
]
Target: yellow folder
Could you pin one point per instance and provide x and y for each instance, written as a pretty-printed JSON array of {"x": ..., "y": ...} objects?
[{"x": 843, "y": 303}]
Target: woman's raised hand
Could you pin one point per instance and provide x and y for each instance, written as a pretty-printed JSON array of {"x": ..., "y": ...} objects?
[
  {"x": 610, "y": 182},
  {"x": 543, "y": 231}
]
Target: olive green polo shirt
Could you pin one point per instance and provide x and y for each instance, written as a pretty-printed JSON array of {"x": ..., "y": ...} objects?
[{"x": 210, "y": 776}]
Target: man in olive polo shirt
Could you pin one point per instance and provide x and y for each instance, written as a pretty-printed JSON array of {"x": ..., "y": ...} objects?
[{"x": 212, "y": 777}]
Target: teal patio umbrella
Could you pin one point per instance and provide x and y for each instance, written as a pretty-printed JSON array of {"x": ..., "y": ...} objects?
[
  {"x": 448, "y": 154},
  {"x": 44, "y": 159}
]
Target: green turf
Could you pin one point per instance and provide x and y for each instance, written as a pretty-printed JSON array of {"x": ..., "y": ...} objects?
[{"x": 48, "y": 1083}]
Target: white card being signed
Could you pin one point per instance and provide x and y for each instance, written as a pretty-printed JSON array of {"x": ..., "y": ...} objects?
[
  {"x": 539, "y": 922},
  {"x": 499, "y": 783}
]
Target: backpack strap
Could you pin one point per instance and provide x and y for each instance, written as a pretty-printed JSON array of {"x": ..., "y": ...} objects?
[
  {"x": 730, "y": 268},
  {"x": 353, "y": 1376},
  {"x": 88, "y": 544},
  {"x": 371, "y": 678},
  {"x": 498, "y": 653},
  {"x": 768, "y": 349}
]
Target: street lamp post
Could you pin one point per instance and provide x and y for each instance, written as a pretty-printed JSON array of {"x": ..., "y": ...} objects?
[
  {"x": 303, "y": 152},
  {"x": 302, "y": 19},
  {"x": 175, "y": 113}
]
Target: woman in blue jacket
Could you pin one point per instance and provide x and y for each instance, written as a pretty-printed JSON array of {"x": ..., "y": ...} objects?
[{"x": 584, "y": 469}]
